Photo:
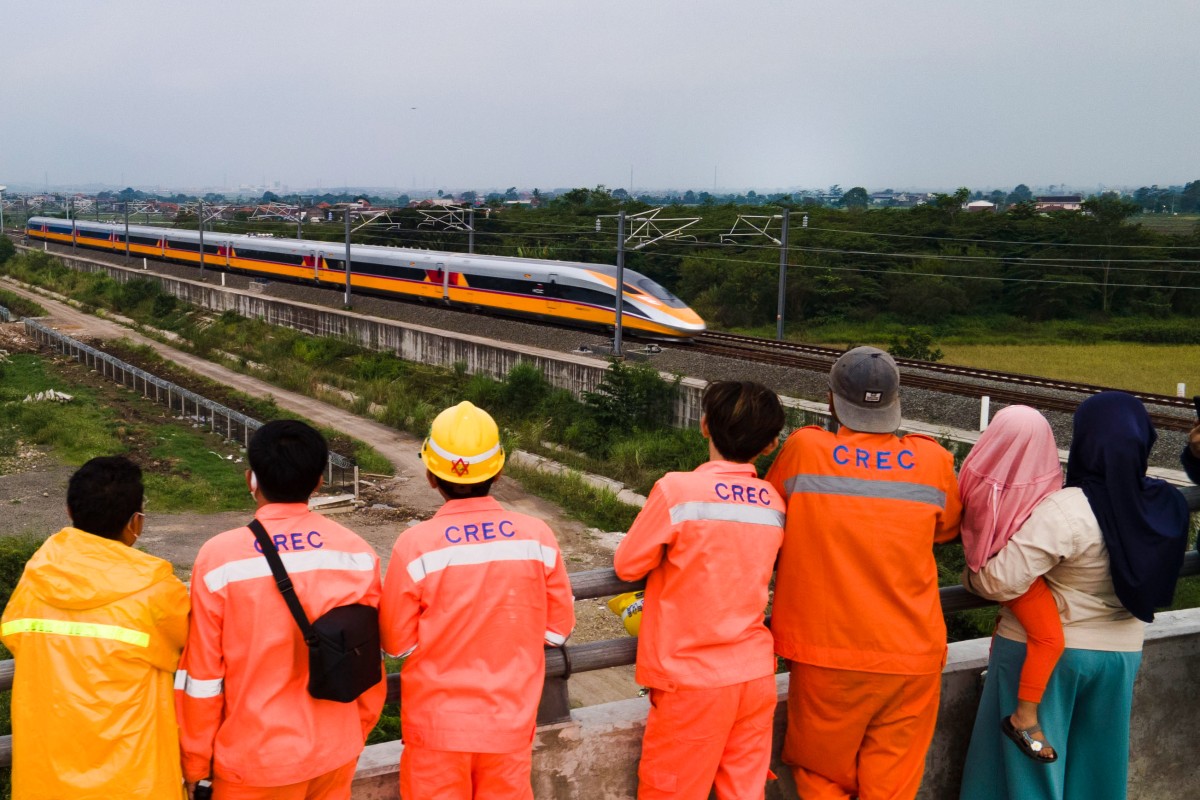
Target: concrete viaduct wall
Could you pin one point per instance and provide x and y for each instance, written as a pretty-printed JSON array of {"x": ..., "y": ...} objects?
[{"x": 595, "y": 755}]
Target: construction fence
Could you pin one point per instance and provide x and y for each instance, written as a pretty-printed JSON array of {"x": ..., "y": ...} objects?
[{"x": 342, "y": 472}]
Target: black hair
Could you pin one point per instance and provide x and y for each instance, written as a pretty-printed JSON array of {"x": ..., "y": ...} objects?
[
  {"x": 743, "y": 418},
  {"x": 104, "y": 494},
  {"x": 287, "y": 457},
  {"x": 465, "y": 491}
]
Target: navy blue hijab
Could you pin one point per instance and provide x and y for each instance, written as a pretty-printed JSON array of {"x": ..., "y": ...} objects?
[{"x": 1144, "y": 520}]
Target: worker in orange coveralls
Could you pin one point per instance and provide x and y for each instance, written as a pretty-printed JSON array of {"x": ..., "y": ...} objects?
[
  {"x": 245, "y": 714},
  {"x": 857, "y": 611},
  {"x": 471, "y": 598},
  {"x": 708, "y": 540}
]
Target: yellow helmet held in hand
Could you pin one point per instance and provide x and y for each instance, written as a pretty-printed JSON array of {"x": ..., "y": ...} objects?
[
  {"x": 628, "y": 607},
  {"x": 463, "y": 445}
]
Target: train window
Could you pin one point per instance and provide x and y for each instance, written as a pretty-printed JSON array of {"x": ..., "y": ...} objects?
[
  {"x": 146, "y": 240},
  {"x": 177, "y": 244},
  {"x": 64, "y": 229},
  {"x": 265, "y": 255}
]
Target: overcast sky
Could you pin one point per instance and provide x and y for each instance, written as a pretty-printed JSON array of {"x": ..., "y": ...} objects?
[{"x": 738, "y": 94}]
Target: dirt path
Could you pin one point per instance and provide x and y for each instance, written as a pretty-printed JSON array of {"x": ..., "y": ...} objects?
[{"x": 39, "y": 490}]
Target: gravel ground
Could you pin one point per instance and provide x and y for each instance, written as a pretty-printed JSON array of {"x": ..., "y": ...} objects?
[{"x": 922, "y": 405}]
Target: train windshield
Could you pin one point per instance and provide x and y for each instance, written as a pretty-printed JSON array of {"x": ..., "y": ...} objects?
[{"x": 653, "y": 289}]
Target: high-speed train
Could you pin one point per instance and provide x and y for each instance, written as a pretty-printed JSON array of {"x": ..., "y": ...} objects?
[{"x": 561, "y": 291}]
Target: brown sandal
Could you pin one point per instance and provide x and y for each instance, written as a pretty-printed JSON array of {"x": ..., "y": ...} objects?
[{"x": 1040, "y": 752}]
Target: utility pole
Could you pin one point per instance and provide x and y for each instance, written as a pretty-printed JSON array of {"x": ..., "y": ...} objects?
[
  {"x": 347, "y": 301},
  {"x": 783, "y": 254},
  {"x": 126, "y": 204},
  {"x": 783, "y": 245},
  {"x": 620, "y": 295},
  {"x": 299, "y": 217},
  {"x": 201, "y": 203},
  {"x": 71, "y": 216},
  {"x": 471, "y": 230},
  {"x": 2, "y": 188}
]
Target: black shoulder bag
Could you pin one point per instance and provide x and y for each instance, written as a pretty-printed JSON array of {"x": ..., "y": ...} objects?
[{"x": 343, "y": 643}]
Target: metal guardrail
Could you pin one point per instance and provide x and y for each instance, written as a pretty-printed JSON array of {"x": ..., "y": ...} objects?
[
  {"x": 6, "y": 315},
  {"x": 234, "y": 425}
]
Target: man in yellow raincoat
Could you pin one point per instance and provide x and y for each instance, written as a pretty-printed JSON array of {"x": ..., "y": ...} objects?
[{"x": 96, "y": 629}]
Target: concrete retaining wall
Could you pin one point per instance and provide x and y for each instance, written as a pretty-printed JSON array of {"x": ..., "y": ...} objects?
[{"x": 595, "y": 755}]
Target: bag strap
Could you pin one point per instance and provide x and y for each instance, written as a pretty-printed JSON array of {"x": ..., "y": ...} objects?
[{"x": 282, "y": 580}]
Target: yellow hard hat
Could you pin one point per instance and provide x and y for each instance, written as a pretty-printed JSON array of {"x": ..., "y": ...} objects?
[
  {"x": 628, "y": 607},
  {"x": 463, "y": 445}
]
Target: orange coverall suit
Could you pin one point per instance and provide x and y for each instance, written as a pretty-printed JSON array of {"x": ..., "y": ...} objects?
[
  {"x": 707, "y": 540},
  {"x": 857, "y": 610},
  {"x": 245, "y": 713},
  {"x": 471, "y": 597}
]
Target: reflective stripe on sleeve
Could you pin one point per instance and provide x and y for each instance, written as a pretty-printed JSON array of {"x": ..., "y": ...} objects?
[
  {"x": 250, "y": 568},
  {"x": 861, "y": 487},
  {"x": 726, "y": 512},
  {"x": 87, "y": 630},
  {"x": 200, "y": 689},
  {"x": 485, "y": 553},
  {"x": 556, "y": 639}
]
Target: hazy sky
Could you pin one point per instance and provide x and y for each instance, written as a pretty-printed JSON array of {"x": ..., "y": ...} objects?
[{"x": 738, "y": 94}]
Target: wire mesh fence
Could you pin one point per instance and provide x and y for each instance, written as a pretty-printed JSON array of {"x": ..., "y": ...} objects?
[
  {"x": 232, "y": 425},
  {"x": 6, "y": 315}
]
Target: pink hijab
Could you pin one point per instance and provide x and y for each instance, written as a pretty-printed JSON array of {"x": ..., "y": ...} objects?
[{"x": 1012, "y": 468}]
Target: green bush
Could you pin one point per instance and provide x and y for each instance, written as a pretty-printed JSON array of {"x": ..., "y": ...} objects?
[
  {"x": 631, "y": 397},
  {"x": 523, "y": 390},
  {"x": 915, "y": 343},
  {"x": 164, "y": 305}
]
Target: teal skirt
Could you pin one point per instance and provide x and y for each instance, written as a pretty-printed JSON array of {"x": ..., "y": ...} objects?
[{"x": 1084, "y": 716}]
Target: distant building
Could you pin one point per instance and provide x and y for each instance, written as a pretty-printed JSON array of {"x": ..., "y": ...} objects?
[
  {"x": 1059, "y": 202},
  {"x": 980, "y": 205}
]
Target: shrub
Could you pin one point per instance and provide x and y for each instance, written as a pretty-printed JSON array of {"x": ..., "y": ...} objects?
[
  {"x": 523, "y": 390},
  {"x": 914, "y": 343},
  {"x": 164, "y": 304},
  {"x": 632, "y": 398}
]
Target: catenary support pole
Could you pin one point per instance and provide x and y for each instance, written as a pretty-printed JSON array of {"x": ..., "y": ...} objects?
[
  {"x": 471, "y": 230},
  {"x": 201, "y": 240},
  {"x": 126, "y": 204},
  {"x": 620, "y": 294},
  {"x": 783, "y": 256},
  {"x": 347, "y": 302}
]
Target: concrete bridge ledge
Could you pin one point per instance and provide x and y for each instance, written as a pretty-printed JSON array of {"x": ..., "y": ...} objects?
[{"x": 595, "y": 755}]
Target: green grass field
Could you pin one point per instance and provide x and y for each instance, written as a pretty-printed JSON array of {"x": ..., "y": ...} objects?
[
  {"x": 1172, "y": 224},
  {"x": 184, "y": 469},
  {"x": 1139, "y": 367}
]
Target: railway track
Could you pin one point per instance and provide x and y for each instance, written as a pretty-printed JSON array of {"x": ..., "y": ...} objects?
[{"x": 1012, "y": 387}]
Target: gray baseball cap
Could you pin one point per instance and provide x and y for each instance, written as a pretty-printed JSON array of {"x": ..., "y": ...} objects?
[{"x": 866, "y": 390}]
